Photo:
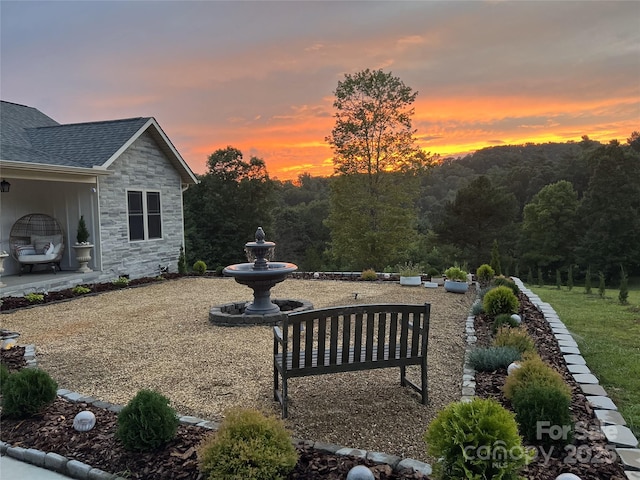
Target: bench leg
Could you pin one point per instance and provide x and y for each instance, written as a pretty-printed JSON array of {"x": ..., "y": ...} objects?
[
  {"x": 403, "y": 373},
  {"x": 424, "y": 383},
  {"x": 285, "y": 393}
]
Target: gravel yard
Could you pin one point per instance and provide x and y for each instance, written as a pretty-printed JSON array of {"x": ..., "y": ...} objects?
[{"x": 158, "y": 336}]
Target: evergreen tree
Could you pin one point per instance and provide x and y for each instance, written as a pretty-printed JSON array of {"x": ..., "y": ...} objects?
[
  {"x": 570, "y": 278},
  {"x": 540, "y": 278},
  {"x": 602, "y": 289},
  {"x": 610, "y": 210},
  {"x": 587, "y": 281},
  {"x": 623, "y": 295},
  {"x": 558, "y": 279},
  {"x": 182, "y": 262},
  {"x": 530, "y": 277},
  {"x": 495, "y": 258}
]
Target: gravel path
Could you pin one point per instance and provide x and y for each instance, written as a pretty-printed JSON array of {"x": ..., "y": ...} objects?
[{"x": 158, "y": 336}]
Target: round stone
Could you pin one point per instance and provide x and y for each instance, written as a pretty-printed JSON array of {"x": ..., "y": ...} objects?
[
  {"x": 387, "y": 276},
  {"x": 516, "y": 318},
  {"x": 360, "y": 472},
  {"x": 84, "y": 421},
  {"x": 568, "y": 476},
  {"x": 316, "y": 275},
  {"x": 513, "y": 367}
]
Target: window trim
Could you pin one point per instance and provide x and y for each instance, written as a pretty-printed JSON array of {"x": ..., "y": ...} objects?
[{"x": 145, "y": 214}]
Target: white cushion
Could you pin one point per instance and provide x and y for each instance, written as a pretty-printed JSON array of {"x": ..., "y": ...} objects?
[
  {"x": 50, "y": 248},
  {"x": 40, "y": 241},
  {"x": 25, "y": 250},
  {"x": 38, "y": 258},
  {"x": 57, "y": 248}
]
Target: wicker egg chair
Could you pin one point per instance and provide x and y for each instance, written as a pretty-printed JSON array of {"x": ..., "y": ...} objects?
[{"x": 36, "y": 229}]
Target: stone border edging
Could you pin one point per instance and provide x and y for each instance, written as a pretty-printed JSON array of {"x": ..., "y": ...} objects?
[
  {"x": 75, "y": 469},
  {"x": 612, "y": 424}
]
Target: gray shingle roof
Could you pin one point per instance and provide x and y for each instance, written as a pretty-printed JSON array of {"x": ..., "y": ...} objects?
[{"x": 27, "y": 135}]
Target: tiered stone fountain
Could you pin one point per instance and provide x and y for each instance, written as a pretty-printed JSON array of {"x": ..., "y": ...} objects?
[{"x": 261, "y": 275}]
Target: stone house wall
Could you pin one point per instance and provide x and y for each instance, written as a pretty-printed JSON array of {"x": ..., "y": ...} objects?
[{"x": 143, "y": 166}]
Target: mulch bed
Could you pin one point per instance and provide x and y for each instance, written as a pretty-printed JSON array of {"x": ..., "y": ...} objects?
[
  {"x": 51, "y": 431},
  {"x": 588, "y": 456}
]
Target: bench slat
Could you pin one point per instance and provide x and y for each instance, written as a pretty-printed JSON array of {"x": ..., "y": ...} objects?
[{"x": 361, "y": 337}]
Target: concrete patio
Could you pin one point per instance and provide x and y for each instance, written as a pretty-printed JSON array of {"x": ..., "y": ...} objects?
[{"x": 44, "y": 281}]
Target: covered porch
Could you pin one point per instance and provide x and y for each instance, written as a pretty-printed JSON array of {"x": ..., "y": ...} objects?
[
  {"x": 44, "y": 281},
  {"x": 64, "y": 197}
]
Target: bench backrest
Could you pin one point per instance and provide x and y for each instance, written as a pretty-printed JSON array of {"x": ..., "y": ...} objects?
[{"x": 362, "y": 331}]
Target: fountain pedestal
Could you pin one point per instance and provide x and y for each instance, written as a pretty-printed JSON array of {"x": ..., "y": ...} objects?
[{"x": 261, "y": 275}]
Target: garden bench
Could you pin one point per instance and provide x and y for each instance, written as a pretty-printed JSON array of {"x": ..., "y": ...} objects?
[{"x": 351, "y": 338}]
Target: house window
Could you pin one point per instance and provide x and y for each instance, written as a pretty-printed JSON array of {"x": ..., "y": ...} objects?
[{"x": 145, "y": 217}]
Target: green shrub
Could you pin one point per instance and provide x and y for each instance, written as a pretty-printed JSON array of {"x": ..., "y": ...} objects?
[
  {"x": 455, "y": 273},
  {"x": 623, "y": 295},
  {"x": 200, "y": 267},
  {"x": 517, "y": 338},
  {"x": 503, "y": 320},
  {"x": 34, "y": 297},
  {"x": 602, "y": 289},
  {"x": 80, "y": 290},
  {"x": 485, "y": 274},
  {"x": 533, "y": 371},
  {"x": 121, "y": 282},
  {"x": 506, "y": 282},
  {"x": 27, "y": 392},
  {"x": 182, "y": 262},
  {"x": 219, "y": 270},
  {"x": 500, "y": 300},
  {"x": 477, "y": 308},
  {"x": 493, "y": 358},
  {"x": 4, "y": 375},
  {"x": 369, "y": 275},
  {"x": 476, "y": 440},
  {"x": 248, "y": 445},
  {"x": 146, "y": 422},
  {"x": 536, "y": 403},
  {"x": 587, "y": 281}
]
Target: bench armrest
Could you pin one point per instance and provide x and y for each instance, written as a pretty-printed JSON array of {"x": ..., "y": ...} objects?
[{"x": 277, "y": 335}]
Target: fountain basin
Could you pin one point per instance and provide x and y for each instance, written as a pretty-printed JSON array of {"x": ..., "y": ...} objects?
[{"x": 234, "y": 314}]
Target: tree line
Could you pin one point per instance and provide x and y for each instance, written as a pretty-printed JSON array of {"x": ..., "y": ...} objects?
[{"x": 543, "y": 207}]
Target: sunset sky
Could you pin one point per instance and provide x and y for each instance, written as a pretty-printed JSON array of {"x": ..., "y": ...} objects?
[{"x": 260, "y": 76}]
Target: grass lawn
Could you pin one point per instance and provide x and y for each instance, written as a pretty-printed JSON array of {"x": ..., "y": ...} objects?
[{"x": 608, "y": 335}]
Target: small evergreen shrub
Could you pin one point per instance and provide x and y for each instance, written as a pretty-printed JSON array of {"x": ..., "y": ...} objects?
[
  {"x": 433, "y": 272},
  {"x": 80, "y": 290},
  {"x": 146, "y": 422},
  {"x": 248, "y": 445},
  {"x": 483, "y": 291},
  {"x": 182, "y": 262},
  {"x": 82, "y": 235},
  {"x": 477, "y": 308},
  {"x": 540, "y": 278},
  {"x": 369, "y": 275},
  {"x": 491, "y": 359},
  {"x": 517, "y": 338},
  {"x": 587, "y": 281},
  {"x": 506, "y": 282},
  {"x": 27, "y": 392},
  {"x": 534, "y": 371},
  {"x": 219, "y": 270},
  {"x": 558, "y": 279},
  {"x": 500, "y": 300},
  {"x": 476, "y": 440},
  {"x": 34, "y": 297},
  {"x": 623, "y": 295},
  {"x": 121, "y": 282},
  {"x": 570, "y": 278},
  {"x": 503, "y": 320},
  {"x": 485, "y": 274},
  {"x": 495, "y": 258},
  {"x": 602, "y": 289},
  {"x": 543, "y": 413},
  {"x": 200, "y": 267}
]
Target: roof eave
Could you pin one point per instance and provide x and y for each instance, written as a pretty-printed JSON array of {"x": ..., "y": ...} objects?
[
  {"x": 188, "y": 177},
  {"x": 43, "y": 171}
]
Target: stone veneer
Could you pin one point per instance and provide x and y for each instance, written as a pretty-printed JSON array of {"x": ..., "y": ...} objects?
[
  {"x": 145, "y": 167},
  {"x": 605, "y": 411}
]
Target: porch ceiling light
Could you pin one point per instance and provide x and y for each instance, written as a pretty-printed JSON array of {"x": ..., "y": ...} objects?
[{"x": 4, "y": 186}]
